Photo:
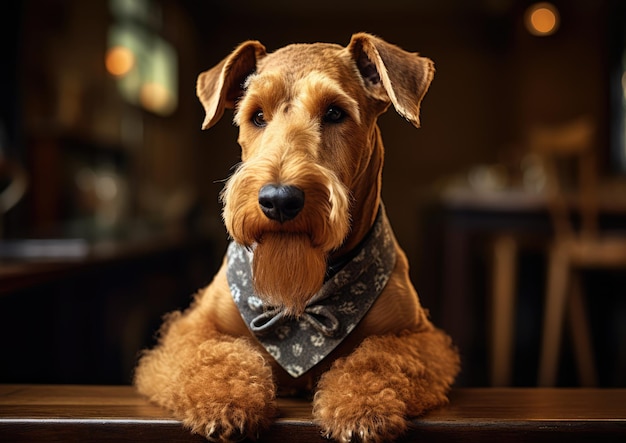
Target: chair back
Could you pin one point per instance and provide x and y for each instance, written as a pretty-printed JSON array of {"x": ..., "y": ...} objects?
[{"x": 571, "y": 175}]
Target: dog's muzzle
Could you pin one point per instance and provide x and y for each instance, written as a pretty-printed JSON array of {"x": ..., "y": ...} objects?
[{"x": 281, "y": 202}]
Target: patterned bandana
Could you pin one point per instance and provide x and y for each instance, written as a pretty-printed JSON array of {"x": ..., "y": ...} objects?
[{"x": 300, "y": 343}]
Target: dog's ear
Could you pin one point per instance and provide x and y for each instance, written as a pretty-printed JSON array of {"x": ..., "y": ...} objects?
[
  {"x": 393, "y": 74},
  {"x": 219, "y": 87}
]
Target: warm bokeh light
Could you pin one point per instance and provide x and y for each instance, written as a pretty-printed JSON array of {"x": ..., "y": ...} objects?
[
  {"x": 542, "y": 19},
  {"x": 119, "y": 61},
  {"x": 156, "y": 98}
]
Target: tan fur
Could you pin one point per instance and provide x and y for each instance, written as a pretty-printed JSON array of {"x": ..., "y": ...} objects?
[
  {"x": 302, "y": 267},
  {"x": 207, "y": 367}
]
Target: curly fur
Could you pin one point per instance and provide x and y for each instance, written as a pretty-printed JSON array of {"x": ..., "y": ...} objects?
[
  {"x": 207, "y": 368},
  {"x": 371, "y": 393},
  {"x": 219, "y": 386}
]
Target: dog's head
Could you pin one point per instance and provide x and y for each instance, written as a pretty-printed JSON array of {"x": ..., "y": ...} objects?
[{"x": 311, "y": 156}]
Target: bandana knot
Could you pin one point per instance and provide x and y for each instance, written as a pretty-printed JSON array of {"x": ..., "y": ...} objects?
[{"x": 318, "y": 317}]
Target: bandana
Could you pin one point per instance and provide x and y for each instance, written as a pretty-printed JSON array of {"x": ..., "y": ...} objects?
[{"x": 298, "y": 344}]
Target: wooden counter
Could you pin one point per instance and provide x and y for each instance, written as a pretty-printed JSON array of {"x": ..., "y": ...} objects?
[{"x": 62, "y": 413}]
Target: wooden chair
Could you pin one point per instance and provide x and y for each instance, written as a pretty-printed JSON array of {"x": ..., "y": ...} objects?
[{"x": 575, "y": 246}]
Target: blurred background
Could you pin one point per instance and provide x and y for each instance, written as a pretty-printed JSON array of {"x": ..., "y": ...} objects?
[{"x": 109, "y": 211}]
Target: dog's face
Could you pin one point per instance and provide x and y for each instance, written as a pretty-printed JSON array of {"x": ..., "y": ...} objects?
[
  {"x": 307, "y": 120},
  {"x": 301, "y": 127}
]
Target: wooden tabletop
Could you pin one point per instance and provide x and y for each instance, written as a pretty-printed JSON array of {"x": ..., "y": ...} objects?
[
  {"x": 118, "y": 413},
  {"x": 610, "y": 197},
  {"x": 47, "y": 260}
]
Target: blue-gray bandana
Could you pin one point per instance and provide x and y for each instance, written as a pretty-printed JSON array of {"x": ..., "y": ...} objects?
[{"x": 298, "y": 344}]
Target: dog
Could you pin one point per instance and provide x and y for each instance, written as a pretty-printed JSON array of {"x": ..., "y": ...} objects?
[{"x": 313, "y": 295}]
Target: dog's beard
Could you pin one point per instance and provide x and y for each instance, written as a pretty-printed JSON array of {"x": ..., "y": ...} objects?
[{"x": 288, "y": 270}]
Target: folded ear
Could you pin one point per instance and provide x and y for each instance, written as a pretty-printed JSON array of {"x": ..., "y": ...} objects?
[
  {"x": 219, "y": 87},
  {"x": 393, "y": 74}
]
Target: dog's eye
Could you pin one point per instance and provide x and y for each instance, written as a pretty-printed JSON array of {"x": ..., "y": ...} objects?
[
  {"x": 258, "y": 118},
  {"x": 334, "y": 114}
]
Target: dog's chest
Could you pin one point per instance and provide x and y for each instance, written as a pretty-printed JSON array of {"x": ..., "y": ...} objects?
[{"x": 299, "y": 344}]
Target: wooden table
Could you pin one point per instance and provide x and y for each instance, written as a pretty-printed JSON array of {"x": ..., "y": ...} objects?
[
  {"x": 67, "y": 258},
  {"x": 62, "y": 413},
  {"x": 470, "y": 222},
  {"x": 84, "y": 317}
]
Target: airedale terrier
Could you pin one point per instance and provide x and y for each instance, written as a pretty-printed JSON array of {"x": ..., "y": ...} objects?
[{"x": 314, "y": 292}]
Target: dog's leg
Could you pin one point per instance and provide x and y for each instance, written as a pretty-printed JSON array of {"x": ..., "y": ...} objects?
[
  {"x": 369, "y": 395},
  {"x": 219, "y": 386}
]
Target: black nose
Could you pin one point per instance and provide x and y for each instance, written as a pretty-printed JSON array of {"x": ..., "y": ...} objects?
[{"x": 281, "y": 202}]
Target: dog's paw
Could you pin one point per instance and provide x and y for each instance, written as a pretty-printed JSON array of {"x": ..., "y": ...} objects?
[
  {"x": 218, "y": 433},
  {"x": 347, "y": 418},
  {"x": 227, "y": 423},
  {"x": 229, "y": 395},
  {"x": 225, "y": 432}
]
